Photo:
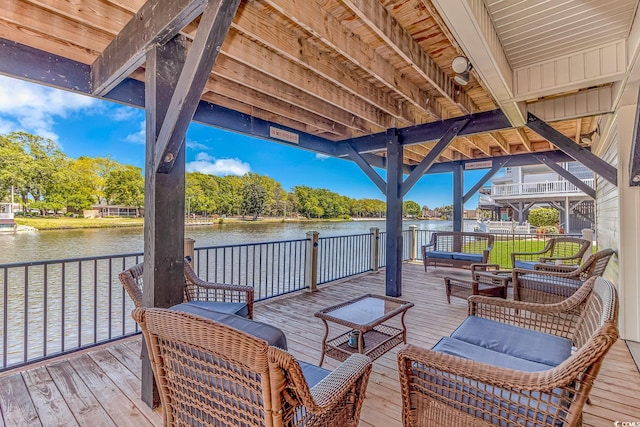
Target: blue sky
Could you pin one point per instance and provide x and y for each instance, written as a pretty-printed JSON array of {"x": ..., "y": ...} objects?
[{"x": 83, "y": 126}]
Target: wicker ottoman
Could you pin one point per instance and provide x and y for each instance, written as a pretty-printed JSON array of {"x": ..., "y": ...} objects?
[{"x": 489, "y": 285}]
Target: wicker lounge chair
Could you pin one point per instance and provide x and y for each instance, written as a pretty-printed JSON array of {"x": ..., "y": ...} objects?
[
  {"x": 234, "y": 299},
  {"x": 440, "y": 389},
  {"x": 210, "y": 374},
  {"x": 558, "y": 250},
  {"x": 550, "y": 283}
]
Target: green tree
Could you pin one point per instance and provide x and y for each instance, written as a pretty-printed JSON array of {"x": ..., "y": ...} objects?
[
  {"x": 125, "y": 186},
  {"x": 254, "y": 199},
  {"x": 200, "y": 192},
  {"x": 542, "y": 217},
  {"x": 411, "y": 208}
]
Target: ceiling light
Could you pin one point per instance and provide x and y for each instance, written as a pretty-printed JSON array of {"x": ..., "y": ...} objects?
[
  {"x": 462, "y": 78},
  {"x": 460, "y": 64},
  {"x": 588, "y": 137}
]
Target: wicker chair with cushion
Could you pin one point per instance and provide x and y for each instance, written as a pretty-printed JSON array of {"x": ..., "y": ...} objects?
[
  {"x": 550, "y": 283},
  {"x": 225, "y": 298},
  {"x": 210, "y": 374},
  {"x": 558, "y": 250},
  {"x": 512, "y": 363}
]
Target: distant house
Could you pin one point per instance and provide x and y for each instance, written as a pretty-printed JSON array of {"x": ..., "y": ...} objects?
[
  {"x": 103, "y": 211},
  {"x": 513, "y": 194},
  {"x": 6, "y": 217}
]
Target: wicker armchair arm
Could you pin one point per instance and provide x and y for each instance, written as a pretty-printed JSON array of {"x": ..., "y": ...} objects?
[
  {"x": 560, "y": 258},
  {"x": 525, "y": 254},
  {"x": 219, "y": 286},
  {"x": 555, "y": 268},
  {"x": 332, "y": 388}
]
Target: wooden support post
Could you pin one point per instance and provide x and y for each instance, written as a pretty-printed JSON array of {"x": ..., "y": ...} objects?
[
  {"x": 375, "y": 248},
  {"x": 189, "y": 249},
  {"x": 394, "y": 215},
  {"x": 164, "y": 198},
  {"x": 587, "y": 234},
  {"x": 311, "y": 262},
  {"x": 458, "y": 191},
  {"x": 413, "y": 243}
]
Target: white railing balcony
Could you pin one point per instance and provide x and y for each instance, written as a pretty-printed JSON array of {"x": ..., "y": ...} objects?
[
  {"x": 6, "y": 215},
  {"x": 538, "y": 188}
]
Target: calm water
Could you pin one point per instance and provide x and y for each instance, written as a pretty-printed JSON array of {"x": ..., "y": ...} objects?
[{"x": 58, "y": 244}]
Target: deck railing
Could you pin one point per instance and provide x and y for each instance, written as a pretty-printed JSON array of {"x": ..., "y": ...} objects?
[
  {"x": 537, "y": 188},
  {"x": 54, "y": 307}
]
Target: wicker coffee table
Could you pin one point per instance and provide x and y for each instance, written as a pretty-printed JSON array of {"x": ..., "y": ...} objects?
[{"x": 365, "y": 315}]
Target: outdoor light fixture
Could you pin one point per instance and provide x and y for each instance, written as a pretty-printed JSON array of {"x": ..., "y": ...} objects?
[
  {"x": 461, "y": 66},
  {"x": 587, "y": 138}
]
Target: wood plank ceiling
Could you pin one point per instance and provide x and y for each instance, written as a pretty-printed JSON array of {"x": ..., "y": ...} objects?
[{"x": 333, "y": 68}]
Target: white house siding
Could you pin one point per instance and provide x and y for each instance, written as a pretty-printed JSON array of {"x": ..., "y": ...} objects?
[{"x": 617, "y": 221}]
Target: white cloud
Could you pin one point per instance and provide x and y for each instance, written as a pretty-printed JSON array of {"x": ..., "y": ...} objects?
[
  {"x": 321, "y": 156},
  {"x": 210, "y": 165},
  {"x": 195, "y": 145},
  {"x": 122, "y": 114},
  {"x": 139, "y": 137},
  {"x": 33, "y": 108}
]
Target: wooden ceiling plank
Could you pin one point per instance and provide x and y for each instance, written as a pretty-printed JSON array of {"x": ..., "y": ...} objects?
[
  {"x": 212, "y": 30},
  {"x": 250, "y": 53},
  {"x": 308, "y": 13},
  {"x": 256, "y": 24},
  {"x": 155, "y": 23},
  {"x": 578, "y": 131},
  {"x": 461, "y": 148},
  {"x": 228, "y": 88},
  {"x": 397, "y": 38},
  {"x": 242, "y": 74},
  {"x": 522, "y": 135}
]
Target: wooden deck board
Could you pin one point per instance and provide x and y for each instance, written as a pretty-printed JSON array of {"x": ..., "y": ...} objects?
[{"x": 101, "y": 387}]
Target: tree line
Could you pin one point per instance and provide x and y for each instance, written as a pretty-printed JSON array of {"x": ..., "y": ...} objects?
[{"x": 44, "y": 178}]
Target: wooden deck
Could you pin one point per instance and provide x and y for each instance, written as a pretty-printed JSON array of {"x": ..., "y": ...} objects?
[{"x": 101, "y": 386}]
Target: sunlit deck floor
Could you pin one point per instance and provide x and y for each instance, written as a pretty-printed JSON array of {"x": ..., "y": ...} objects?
[{"x": 101, "y": 386}]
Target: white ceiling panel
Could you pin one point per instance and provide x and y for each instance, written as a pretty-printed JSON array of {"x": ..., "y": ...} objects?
[{"x": 532, "y": 31}]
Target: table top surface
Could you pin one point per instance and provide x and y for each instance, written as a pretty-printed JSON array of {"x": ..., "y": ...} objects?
[{"x": 365, "y": 311}]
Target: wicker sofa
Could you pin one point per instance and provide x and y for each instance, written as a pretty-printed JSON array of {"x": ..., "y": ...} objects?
[
  {"x": 457, "y": 249},
  {"x": 512, "y": 363}
]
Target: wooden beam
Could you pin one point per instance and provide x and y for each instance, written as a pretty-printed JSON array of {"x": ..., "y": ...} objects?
[
  {"x": 568, "y": 176},
  {"x": 163, "y": 196},
  {"x": 212, "y": 30},
  {"x": 394, "y": 245},
  {"x": 576, "y": 151},
  {"x": 497, "y": 165},
  {"x": 308, "y": 13},
  {"x": 481, "y": 145},
  {"x": 426, "y": 163},
  {"x": 397, "y": 38},
  {"x": 522, "y": 134},
  {"x": 368, "y": 170},
  {"x": 478, "y": 123},
  {"x": 156, "y": 22},
  {"x": 502, "y": 143},
  {"x": 458, "y": 189}
]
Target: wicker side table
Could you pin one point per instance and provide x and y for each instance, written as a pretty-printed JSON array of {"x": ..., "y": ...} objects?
[{"x": 486, "y": 284}]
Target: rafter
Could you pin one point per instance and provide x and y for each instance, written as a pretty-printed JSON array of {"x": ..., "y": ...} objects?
[
  {"x": 499, "y": 139},
  {"x": 394, "y": 35},
  {"x": 307, "y": 13},
  {"x": 479, "y": 143},
  {"x": 522, "y": 134},
  {"x": 155, "y": 23}
]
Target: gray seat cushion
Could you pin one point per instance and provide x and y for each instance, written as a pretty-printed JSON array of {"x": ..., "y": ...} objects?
[
  {"x": 467, "y": 257},
  {"x": 237, "y": 308},
  {"x": 270, "y": 334},
  {"x": 439, "y": 254},
  {"x": 466, "y": 350},
  {"x": 550, "y": 284},
  {"x": 514, "y": 341},
  {"x": 312, "y": 373}
]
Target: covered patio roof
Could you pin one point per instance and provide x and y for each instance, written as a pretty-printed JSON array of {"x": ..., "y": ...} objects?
[{"x": 332, "y": 73}]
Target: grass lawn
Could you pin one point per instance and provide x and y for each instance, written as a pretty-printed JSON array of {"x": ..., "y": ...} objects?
[
  {"x": 501, "y": 252},
  {"x": 57, "y": 223}
]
